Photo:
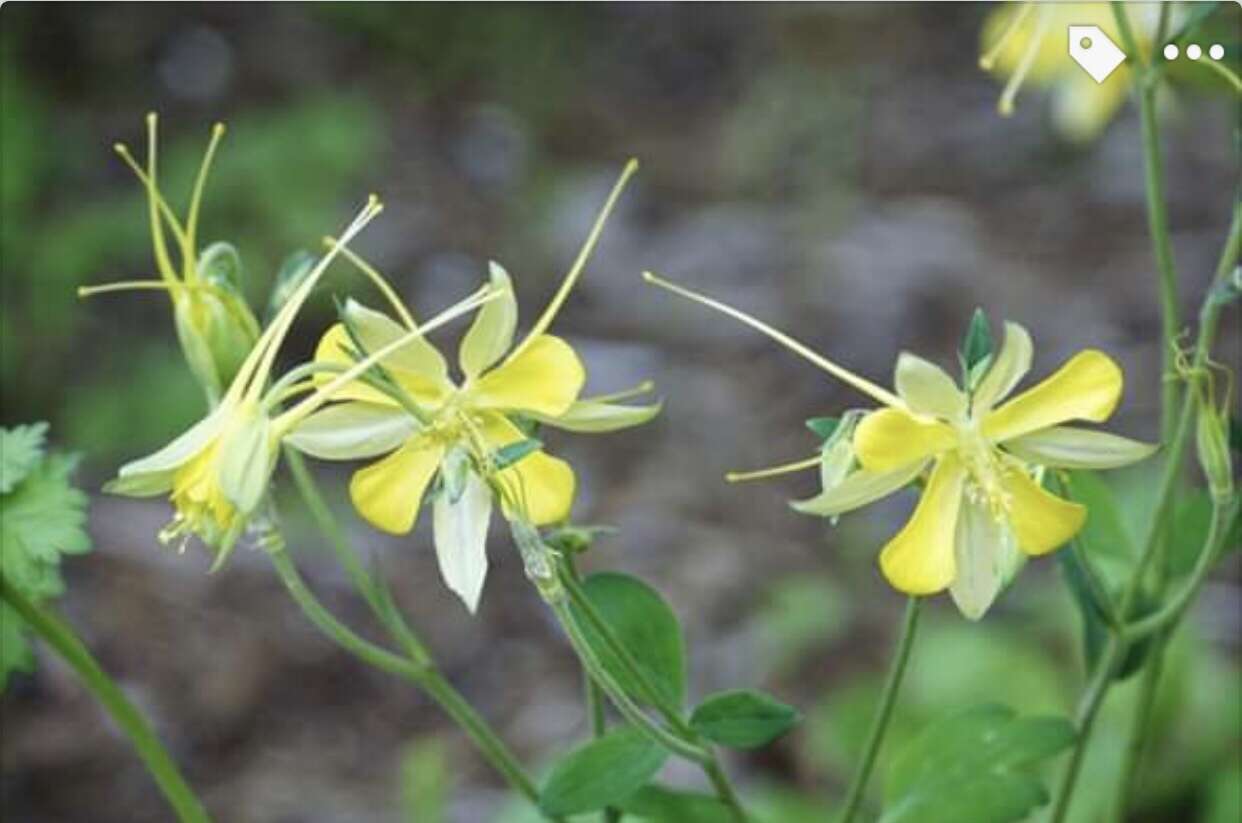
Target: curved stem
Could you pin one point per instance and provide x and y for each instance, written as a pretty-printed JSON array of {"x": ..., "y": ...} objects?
[
  {"x": 57, "y": 634},
  {"x": 421, "y": 674},
  {"x": 888, "y": 699}
]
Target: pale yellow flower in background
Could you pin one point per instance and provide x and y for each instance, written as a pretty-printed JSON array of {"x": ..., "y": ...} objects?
[
  {"x": 462, "y": 438},
  {"x": 982, "y": 508},
  {"x": 1027, "y": 43}
]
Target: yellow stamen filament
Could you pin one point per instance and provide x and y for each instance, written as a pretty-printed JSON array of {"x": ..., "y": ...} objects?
[
  {"x": 124, "y": 285},
  {"x": 380, "y": 282},
  {"x": 252, "y": 374},
  {"x": 988, "y": 60},
  {"x": 1005, "y": 106},
  {"x": 773, "y": 471},
  {"x": 310, "y": 404},
  {"x": 861, "y": 383},
  {"x": 549, "y": 313},
  {"x": 191, "y": 220}
]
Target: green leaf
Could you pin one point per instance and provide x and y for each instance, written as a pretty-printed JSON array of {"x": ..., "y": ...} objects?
[
  {"x": 1235, "y": 434},
  {"x": 823, "y": 427},
  {"x": 21, "y": 448},
  {"x": 646, "y": 627},
  {"x": 601, "y": 773},
  {"x": 743, "y": 718},
  {"x": 1193, "y": 20},
  {"x": 664, "y": 805},
  {"x": 977, "y": 345},
  {"x": 426, "y": 782},
  {"x": 41, "y": 518},
  {"x": 974, "y": 766},
  {"x": 1105, "y": 534}
]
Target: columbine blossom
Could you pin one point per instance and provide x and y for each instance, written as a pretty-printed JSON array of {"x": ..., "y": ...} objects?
[
  {"x": 1026, "y": 43},
  {"x": 217, "y": 472},
  {"x": 214, "y": 324},
  {"x": 980, "y": 457},
  {"x": 464, "y": 438}
]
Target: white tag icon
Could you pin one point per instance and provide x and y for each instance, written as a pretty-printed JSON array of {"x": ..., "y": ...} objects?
[{"x": 1094, "y": 51}]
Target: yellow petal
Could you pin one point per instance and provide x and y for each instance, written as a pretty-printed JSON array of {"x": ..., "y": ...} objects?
[
  {"x": 332, "y": 350},
  {"x": 541, "y": 484},
  {"x": 1041, "y": 521},
  {"x": 888, "y": 439},
  {"x": 545, "y": 377},
  {"x": 388, "y": 493},
  {"x": 920, "y": 559},
  {"x": 1087, "y": 387}
]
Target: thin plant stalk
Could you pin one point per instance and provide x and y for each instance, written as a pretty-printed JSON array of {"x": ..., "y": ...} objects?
[
  {"x": 61, "y": 638},
  {"x": 422, "y": 674},
  {"x": 593, "y": 701},
  {"x": 884, "y": 712}
]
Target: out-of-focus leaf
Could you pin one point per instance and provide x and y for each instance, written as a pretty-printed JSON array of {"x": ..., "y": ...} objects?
[
  {"x": 976, "y": 347},
  {"x": 974, "y": 766},
  {"x": 603, "y": 772},
  {"x": 799, "y": 614},
  {"x": 661, "y": 804},
  {"x": 743, "y": 718},
  {"x": 426, "y": 782},
  {"x": 1105, "y": 534},
  {"x": 21, "y": 448},
  {"x": 1224, "y": 801},
  {"x": 646, "y": 626}
]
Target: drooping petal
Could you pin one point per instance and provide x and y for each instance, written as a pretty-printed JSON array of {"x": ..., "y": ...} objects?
[
  {"x": 1082, "y": 108},
  {"x": 491, "y": 333},
  {"x": 247, "y": 458},
  {"x": 1041, "y": 521},
  {"x": 352, "y": 431},
  {"x": 543, "y": 485},
  {"x": 1087, "y": 387},
  {"x": 153, "y": 474},
  {"x": 592, "y": 417},
  {"x": 926, "y": 389},
  {"x": 857, "y": 490},
  {"x": 987, "y": 559},
  {"x": 417, "y": 365},
  {"x": 545, "y": 377},
  {"x": 461, "y": 539},
  {"x": 920, "y": 559},
  {"x": 1007, "y": 370},
  {"x": 388, "y": 493},
  {"x": 1067, "y": 447},
  {"x": 891, "y": 439}
]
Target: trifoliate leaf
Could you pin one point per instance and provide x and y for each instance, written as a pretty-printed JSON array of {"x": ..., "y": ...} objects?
[
  {"x": 600, "y": 773},
  {"x": 975, "y": 766},
  {"x": 21, "y": 447},
  {"x": 743, "y": 718}
]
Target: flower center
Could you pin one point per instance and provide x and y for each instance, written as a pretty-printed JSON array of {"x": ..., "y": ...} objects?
[{"x": 986, "y": 469}]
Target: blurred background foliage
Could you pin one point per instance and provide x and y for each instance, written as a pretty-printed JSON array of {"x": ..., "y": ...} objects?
[{"x": 840, "y": 171}]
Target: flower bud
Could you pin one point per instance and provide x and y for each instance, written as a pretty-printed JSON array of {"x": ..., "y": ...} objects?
[
  {"x": 214, "y": 323},
  {"x": 1212, "y": 440},
  {"x": 538, "y": 560}
]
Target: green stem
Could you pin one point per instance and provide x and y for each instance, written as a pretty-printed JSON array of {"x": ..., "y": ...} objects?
[
  {"x": 421, "y": 674},
  {"x": 884, "y": 713},
  {"x": 57, "y": 634},
  {"x": 707, "y": 757},
  {"x": 1088, "y": 708},
  {"x": 593, "y": 700}
]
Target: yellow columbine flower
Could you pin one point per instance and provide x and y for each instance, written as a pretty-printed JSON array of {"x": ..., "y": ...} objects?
[
  {"x": 465, "y": 433},
  {"x": 982, "y": 508},
  {"x": 216, "y": 328},
  {"x": 1027, "y": 42},
  {"x": 217, "y": 473}
]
